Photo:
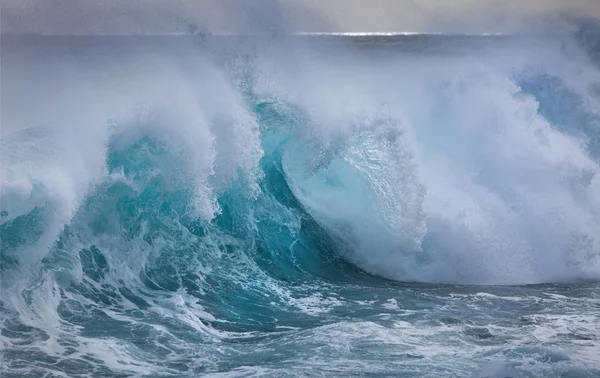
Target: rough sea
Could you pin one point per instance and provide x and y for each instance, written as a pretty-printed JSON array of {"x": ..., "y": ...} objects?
[{"x": 300, "y": 206}]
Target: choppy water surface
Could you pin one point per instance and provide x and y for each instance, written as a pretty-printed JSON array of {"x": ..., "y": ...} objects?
[{"x": 300, "y": 206}]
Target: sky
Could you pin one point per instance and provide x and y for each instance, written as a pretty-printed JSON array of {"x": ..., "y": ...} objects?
[{"x": 240, "y": 16}]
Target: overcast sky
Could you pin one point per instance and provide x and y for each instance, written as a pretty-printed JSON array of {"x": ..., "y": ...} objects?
[{"x": 234, "y": 16}]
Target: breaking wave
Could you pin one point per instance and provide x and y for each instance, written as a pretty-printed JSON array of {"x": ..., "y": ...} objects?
[{"x": 228, "y": 182}]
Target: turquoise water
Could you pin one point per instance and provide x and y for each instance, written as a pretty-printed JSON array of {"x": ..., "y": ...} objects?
[{"x": 409, "y": 206}]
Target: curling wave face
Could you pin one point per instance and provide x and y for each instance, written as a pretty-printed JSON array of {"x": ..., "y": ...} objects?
[{"x": 177, "y": 205}]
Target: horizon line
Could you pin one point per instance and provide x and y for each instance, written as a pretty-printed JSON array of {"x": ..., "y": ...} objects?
[{"x": 299, "y": 34}]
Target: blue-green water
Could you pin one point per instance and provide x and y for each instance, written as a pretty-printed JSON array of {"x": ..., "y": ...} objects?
[{"x": 409, "y": 206}]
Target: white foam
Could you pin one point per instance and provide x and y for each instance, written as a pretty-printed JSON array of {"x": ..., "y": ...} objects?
[{"x": 399, "y": 146}]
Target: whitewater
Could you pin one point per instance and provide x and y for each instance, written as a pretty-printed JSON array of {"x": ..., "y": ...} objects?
[{"x": 300, "y": 205}]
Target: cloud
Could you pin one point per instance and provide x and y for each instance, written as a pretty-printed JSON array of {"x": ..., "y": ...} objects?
[{"x": 231, "y": 16}]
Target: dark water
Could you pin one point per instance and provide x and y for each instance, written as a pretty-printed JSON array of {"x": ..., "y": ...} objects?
[{"x": 300, "y": 206}]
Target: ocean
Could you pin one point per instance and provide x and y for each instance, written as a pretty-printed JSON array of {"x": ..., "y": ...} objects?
[{"x": 417, "y": 205}]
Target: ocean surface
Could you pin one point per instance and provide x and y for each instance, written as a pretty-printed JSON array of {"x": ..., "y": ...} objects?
[{"x": 300, "y": 206}]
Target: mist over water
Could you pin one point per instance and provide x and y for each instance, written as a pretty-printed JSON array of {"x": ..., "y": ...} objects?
[{"x": 294, "y": 206}]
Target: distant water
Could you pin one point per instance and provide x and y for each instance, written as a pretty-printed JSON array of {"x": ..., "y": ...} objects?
[{"x": 417, "y": 205}]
